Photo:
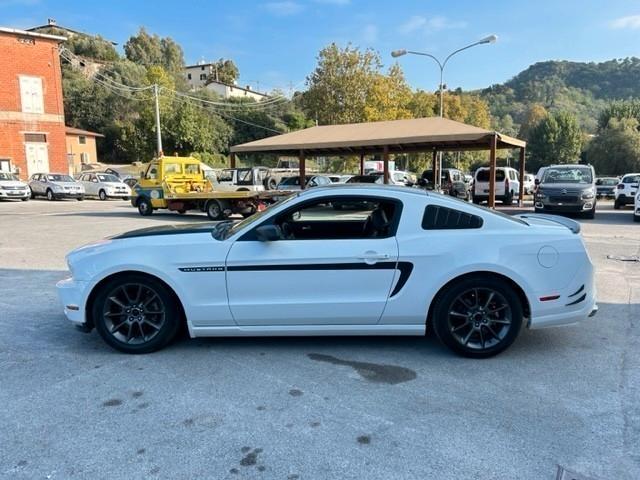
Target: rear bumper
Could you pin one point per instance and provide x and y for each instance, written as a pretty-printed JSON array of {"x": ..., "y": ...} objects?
[
  {"x": 576, "y": 302},
  {"x": 72, "y": 295}
]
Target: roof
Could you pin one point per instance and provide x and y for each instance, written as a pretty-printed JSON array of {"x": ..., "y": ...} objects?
[
  {"x": 78, "y": 131},
  {"x": 70, "y": 30},
  {"x": 25, "y": 33},
  {"x": 237, "y": 87},
  {"x": 400, "y": 136}
]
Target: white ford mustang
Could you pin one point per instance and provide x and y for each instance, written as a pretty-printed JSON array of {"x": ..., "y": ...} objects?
[{"x": 341, "y": 260}]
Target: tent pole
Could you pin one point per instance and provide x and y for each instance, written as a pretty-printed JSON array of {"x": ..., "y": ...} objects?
[
  {"x": 361, "y": 163},
  {"x": 434, "y": 168},
  {"x": 302, "y": 167},
  {"x": 385, "y": 160},
  {"x": 492, "y": 171},
  {"x": 232, "y": 160},
  {"x": 521, "y": 193}
]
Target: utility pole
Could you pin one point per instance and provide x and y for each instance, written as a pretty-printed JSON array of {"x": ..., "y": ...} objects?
[{"x": 158, "y": 132}]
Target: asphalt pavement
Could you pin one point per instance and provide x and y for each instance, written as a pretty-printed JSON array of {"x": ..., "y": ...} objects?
[{"x": 307, "y": 408}]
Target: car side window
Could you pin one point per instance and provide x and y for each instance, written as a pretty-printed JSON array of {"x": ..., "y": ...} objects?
[
  {"x": 338, "y": 218},
  {"x": 437, "y": 217}
]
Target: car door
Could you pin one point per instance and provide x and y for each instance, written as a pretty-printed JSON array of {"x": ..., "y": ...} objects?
[
  {"x": 328, "y": 272},
  {"x": 38, "y": 184}
]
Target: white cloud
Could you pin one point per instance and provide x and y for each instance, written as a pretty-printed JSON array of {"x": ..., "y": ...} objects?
[
  {"x": 283, "y": 8},
  {"x": 370, "y": 33},
  {"x": 431, "y": 24},
  {"x": 630, "y": 22}
]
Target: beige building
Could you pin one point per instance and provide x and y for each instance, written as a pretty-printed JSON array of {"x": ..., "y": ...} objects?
[
  {"x": 81, "y": 148},
  {"x": 203, "y": 75}
]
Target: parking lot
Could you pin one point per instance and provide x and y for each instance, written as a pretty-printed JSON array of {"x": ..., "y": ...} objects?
[{"x": 307, "y": 408}]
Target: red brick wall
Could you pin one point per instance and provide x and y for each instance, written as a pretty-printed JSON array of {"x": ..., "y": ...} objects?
[{"x": 41, "y": 60}]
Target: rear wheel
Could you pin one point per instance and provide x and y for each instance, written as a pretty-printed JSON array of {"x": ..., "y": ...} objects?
[
  {"x": 270, "y": 183},
  {"x": 136, "y": 314},
  {"x": 144, "y": 206},
  {"x": 478, "y": 317},
  {"x": 214, "y": 210},
  {"x": 508, "y": 200}
]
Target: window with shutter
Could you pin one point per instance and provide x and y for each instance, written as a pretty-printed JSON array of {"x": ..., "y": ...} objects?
[{"x": 31, "y": 94}]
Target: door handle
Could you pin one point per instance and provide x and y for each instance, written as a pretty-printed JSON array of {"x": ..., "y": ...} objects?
[{"x": 373, "y": 257}]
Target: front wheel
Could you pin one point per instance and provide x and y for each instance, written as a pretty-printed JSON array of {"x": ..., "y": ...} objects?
[
  {"x": 478, "y": 317},
  {"x": 590, "y": 214},
  {"x": 616, "y": 205},
  {"x": 144, "y": 207},
  {"x": 80, "y": 198},
  {"x": 136, "y": 314},
  {"x": 25, "y": 199},
  {"x": 102, "y": 195},
  {"x": 636, "y": 218},
  {"x": 50, "y": 195}
]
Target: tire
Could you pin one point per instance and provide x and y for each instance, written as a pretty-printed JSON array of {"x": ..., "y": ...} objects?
[
  {"x": 214, "y": 210},
  {"x": 33, "y": 195},
  {"x": 50, "y": 196},
  {"x": 25, "y": 199},
  {"x": 270, "y": 183},
  {"x": 144, "y": 206},
  {"x": 474, "y": 331},
  {"x": 475, "y": 200},
  {"x": 80, "y": 199},
  {"x": 102, "y": 195},
  {"x": 591, "y": 214},
  {"x": 508, "y": 200},
  {"x": 616, "y": 205},
  {"x": 636, "y": 218},
  {"x": 182, "y": 212},
  {"x": 136, "y": 314}
]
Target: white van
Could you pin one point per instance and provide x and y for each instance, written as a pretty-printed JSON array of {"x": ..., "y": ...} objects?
[{"x": 507, "y": 185}]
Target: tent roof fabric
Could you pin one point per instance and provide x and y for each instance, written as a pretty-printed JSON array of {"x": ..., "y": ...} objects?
[{"x": 417, "y": 134}]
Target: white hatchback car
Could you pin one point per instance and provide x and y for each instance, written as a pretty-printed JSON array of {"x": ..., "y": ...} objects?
[
  {"x": 626, "y": 190},
  {"x": 636, "y": 208},
  {"x": 104, "y": 186},
  {"x": 398, "y": 261},
  {"x": 507, "y": 185}
]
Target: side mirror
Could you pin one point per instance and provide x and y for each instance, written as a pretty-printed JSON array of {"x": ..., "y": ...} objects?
[
  {"x": 537, "y": 181},
  {"x": 268, "y": 233}
]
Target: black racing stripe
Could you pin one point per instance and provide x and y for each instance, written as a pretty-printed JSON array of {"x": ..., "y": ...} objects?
[
  {"x": 314, "y": 266},
  {"x": 577, "y": 301},
  {"x": 577, "y": 292},
  {"x": 167, "y": 230},
  {"x": 405, "y": 271}
]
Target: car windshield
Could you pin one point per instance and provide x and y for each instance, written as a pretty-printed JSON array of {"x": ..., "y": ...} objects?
[
  {"x": 7, "y": 176},
  {"x": 105, "y": 177},
  {"x": 224, "y": 230},
  {"x": 244, "y": 176},
  {"x": 631, "y": 179},
  {"x": 483, "y": 175},
  {"x": 59, "y": 178},
  {"x": 292, "y": 180},
  {"x": 365, "y": 179},
  {"x": 567, "y": 175},
  {"x": 607, "y": 182}
]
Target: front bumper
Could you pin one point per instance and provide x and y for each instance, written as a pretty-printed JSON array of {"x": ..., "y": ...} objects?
[
  {"x": 68, "y": 194},
  {"x": 15, "y": 193},
  {"x": 71, "y": 293},
  {"x": 582, "y": 206}
]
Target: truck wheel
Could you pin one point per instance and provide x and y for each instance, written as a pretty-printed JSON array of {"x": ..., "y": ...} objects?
[
  {"x": 144, "y": 206},
  {"x": 270, "y": 183},
  {"x": 214, "y": 210}
]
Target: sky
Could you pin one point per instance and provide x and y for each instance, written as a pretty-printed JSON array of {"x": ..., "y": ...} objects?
[{"x": 275, "y": 43}]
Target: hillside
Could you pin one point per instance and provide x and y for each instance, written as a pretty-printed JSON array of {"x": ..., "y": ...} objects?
[{"x": 580, "y": 88}]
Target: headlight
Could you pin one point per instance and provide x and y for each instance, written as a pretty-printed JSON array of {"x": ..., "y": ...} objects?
[
  {"x": 638, "y": 197},
  {"x": 587, "y": 195},
  {"x": 57, "y": 188},
  {"x": 3, "y": 188}
]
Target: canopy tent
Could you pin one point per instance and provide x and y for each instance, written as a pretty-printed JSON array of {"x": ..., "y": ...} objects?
[{"x": 431, "y": 134}]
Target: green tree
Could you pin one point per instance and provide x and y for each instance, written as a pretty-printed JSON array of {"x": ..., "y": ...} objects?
[
  {"x": 224, "y": 71},
  {"x": 534, "y": 115},
  {"x": 557, "y": 139},
  {"x": 615, "y": 150},
  {"x": 619, "y": 110},
  {"x": 152, "y": 50}
]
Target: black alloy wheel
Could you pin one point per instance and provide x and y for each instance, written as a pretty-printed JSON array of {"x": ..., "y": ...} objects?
[
  {"x": 478, "y": 317},
  {"x": 136, "y": 314}
]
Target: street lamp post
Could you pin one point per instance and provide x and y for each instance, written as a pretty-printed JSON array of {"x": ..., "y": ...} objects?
[{"x": 442, "y": 64}]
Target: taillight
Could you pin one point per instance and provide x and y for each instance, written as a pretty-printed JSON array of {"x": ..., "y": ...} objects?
[{"x": 620, "y": 186}]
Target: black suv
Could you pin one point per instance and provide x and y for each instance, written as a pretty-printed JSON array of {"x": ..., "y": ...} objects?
[{"x": 568, "y": 189}]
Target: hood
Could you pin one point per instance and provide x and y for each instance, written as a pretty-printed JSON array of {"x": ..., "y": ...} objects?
[
  {"x": 64, "y": 184},
  {"x": 12, "y": 183},
  {"x": 182, "y": 229}
]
